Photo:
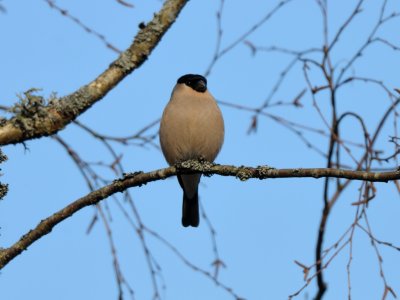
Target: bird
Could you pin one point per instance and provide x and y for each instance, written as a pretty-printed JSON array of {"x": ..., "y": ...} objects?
[{"x": 191, "y": 127}]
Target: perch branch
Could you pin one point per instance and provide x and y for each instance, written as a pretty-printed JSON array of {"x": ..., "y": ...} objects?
[{"x": 192, "y": 166}]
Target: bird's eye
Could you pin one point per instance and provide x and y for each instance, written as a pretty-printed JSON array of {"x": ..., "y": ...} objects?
[{"x": 189, "y": 82}]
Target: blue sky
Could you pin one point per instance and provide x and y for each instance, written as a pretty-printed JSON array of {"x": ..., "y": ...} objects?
[{"x": 262, "y": 226}]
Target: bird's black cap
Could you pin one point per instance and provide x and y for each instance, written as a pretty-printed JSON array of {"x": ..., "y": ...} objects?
[{"x": 195, "y": 81}]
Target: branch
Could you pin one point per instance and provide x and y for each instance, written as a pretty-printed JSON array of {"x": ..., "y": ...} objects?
[
  {"x": 192, "y": 166},
  {"x": 45, "y": 120}
]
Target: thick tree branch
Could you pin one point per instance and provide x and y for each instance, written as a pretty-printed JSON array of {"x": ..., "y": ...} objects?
[
  {"x": 140, "y": 178},
  {"x": 43, "y": 120}
]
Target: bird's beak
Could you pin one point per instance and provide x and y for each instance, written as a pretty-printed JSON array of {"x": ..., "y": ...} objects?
[{"x": 201, "y": 86}]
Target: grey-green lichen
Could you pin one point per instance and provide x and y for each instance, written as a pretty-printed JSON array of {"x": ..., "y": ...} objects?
[
  {"x": 199, "y": 165},
  {"x": 34, "y": 113},
  {"x": 29, "y": 104},
  {"x": 244, "y": 173},
  {"x": 72, "y": 105},
  {"x": 31, "y": 109},
  {"x": 264, "y": 171},
  {"x": 3, "y": 187}
]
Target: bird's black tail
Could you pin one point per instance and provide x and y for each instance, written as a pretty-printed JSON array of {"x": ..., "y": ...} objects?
[{"x": 190, "y": 211}]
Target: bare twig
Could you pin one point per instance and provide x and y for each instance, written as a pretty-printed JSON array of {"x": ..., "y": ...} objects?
[
  {"x": 89, "y": 30},
  {"x": 221, "y": 52}
]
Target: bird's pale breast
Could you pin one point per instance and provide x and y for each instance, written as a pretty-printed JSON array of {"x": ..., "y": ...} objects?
[{"x": 191, "y": 127}]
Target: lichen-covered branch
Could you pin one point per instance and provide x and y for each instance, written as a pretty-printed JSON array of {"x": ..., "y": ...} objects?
[
  {"x": 3, "y": 187},
  {"x": 43, "y": 119},
  {"x": 139, "y": 178}
]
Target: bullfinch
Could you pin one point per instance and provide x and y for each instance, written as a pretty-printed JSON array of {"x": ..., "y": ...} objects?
[{"x": 191, "y": 127}]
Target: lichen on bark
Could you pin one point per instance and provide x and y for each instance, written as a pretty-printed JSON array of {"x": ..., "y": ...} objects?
[{"x": 3, "y": 186}]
